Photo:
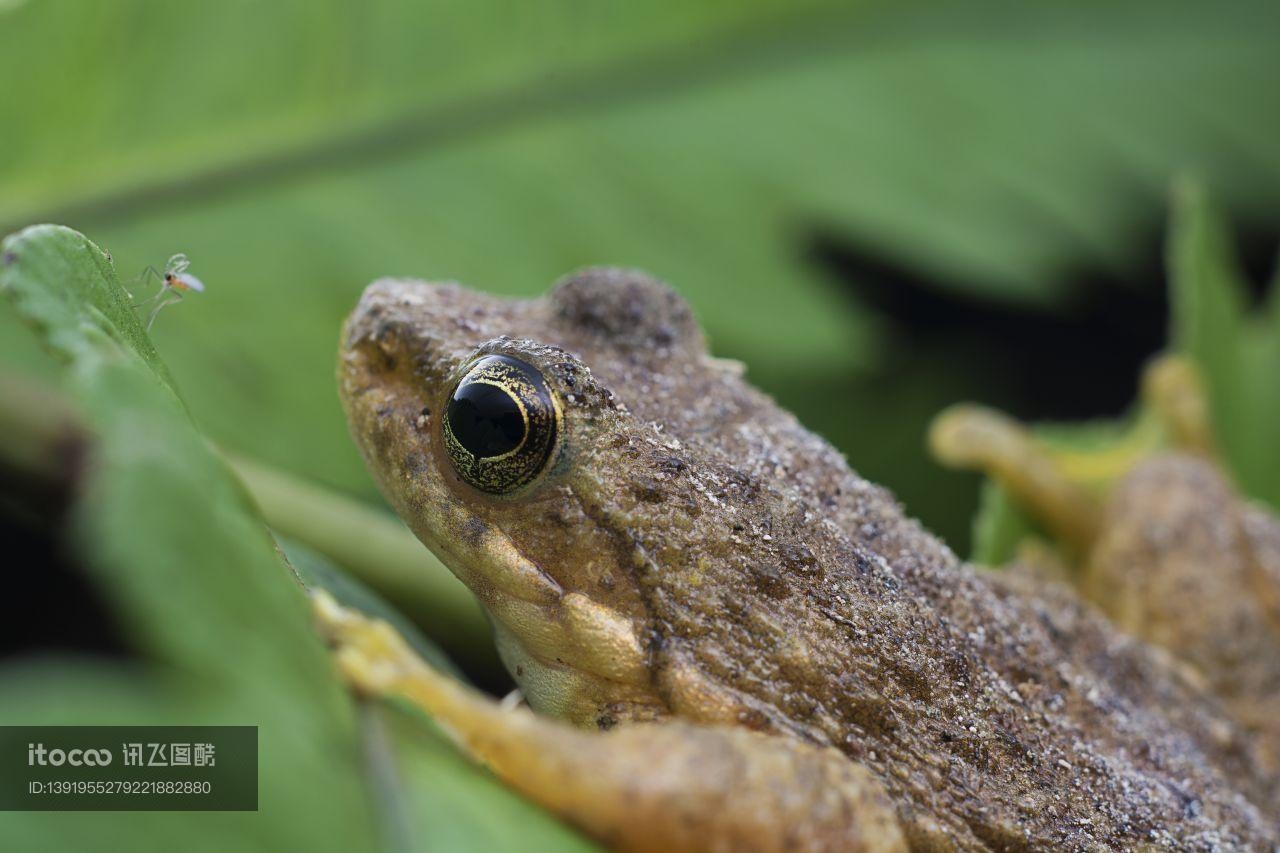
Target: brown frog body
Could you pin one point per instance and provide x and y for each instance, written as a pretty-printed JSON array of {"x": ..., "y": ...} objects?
[{"x": 658, "y": 543}]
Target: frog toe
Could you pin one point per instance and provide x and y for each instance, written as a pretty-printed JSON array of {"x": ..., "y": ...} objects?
[
  {"x": 370, "y": 654},
  {"x": 976, "y": 438},
  {"x": 1064, "y": 487}
]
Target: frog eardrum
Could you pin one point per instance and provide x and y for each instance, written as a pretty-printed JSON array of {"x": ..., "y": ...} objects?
[{"x": 500, "y": 424}]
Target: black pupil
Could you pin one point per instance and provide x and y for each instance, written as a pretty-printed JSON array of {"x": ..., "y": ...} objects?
[{"x": 485, "y": 419}]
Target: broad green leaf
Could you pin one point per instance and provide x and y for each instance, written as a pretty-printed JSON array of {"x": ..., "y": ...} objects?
[
  {"x": 220, "y": 628},
  {"x": 1236, "y": 346}
]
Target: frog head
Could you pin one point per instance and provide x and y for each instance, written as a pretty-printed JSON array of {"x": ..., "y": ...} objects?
[{"x": 499, "y": 444}]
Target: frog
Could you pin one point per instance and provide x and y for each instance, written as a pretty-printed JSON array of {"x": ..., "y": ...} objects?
[{"x": 727, "y": 639}]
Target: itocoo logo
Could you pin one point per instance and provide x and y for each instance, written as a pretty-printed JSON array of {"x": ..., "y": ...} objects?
[{"x": 37, "y": 754}]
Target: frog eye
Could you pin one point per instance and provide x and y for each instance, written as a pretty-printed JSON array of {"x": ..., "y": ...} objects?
[{"x": 500, "y": 424}]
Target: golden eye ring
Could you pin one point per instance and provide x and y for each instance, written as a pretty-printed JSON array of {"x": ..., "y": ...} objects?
[{"x": 501, "y": 424}]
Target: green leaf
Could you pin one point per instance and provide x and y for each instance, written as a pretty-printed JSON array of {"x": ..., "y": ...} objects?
[
  {"x": 999, "y": 527},
  {"x": 191, "y": 575},
  {"x": 375, "y": 546},
  {"x": 447, "y": 803},
  {"x": 220, "y": 629},
  {"x": 317, "y": 572},
  {"x": 88, "y": 318},
  {"x": 1236, "y": 347}
]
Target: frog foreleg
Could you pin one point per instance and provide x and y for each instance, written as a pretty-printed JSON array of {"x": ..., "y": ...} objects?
[
  {"x": 1065, "y": 489},
  {"x": 672, "y": 786},
  {"x": 974, "y": 437}
]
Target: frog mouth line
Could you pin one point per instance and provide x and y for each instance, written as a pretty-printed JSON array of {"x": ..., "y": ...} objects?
[{"x": 508, "y": 572}]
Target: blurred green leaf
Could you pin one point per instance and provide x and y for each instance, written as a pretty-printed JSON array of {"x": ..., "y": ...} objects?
[
  {"x": 430, "y": 796},
  {"x": 376, "y": 547},
  {"x": 447, "y": 803},
  {"x": 316, "y": 571},
  {"x": 220, "y": 628},
  {"x": 192, "y": 577},
  {"x": 999, "y": 527},
  {"x": 1236, "y": 346}
]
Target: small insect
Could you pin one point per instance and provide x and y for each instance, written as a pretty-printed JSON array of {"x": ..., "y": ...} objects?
[{"x": 175, "y": 281}]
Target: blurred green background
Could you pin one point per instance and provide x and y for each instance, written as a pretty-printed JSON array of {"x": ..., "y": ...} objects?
[{"x": 881, "y": 208}]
